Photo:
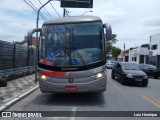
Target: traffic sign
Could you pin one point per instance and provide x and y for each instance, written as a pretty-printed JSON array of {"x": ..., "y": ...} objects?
[{"x": 77, "y": 3}]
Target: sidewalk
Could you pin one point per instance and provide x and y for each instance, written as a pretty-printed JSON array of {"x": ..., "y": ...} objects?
[{"x": 16, "y": 88}]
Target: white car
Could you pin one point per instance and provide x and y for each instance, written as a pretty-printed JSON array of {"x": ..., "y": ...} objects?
[{"x": 110, "y": 64}]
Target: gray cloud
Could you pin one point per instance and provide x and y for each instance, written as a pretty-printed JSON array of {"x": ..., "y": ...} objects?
[{"x": 151, "y": 21}]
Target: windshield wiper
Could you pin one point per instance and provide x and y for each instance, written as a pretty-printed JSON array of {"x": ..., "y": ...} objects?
[
  {"x": 79, "y": 55},
  {"x": 61, "y": 53}
]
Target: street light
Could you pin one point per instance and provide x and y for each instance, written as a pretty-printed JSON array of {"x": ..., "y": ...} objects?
[{"x": 87, "y": 11}]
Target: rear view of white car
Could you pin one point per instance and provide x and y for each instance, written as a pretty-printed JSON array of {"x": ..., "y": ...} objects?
[{"x": 110, "y": 64}]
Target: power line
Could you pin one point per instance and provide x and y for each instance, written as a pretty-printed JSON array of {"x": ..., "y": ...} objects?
[
  {"x": 55, "y": 9},
  {"x": 45, "y": 8},
  {"x": 35, "y": 9},
  {"x": 39, "y": 5}
]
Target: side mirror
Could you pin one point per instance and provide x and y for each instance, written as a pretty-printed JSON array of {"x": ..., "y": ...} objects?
[
  {"x": 30, "y": 33},
  {"x": 108, "y": 31}
]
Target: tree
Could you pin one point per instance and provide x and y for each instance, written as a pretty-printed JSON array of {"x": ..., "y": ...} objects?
[
  {"x": 115, "y": 51},
  {"x": 146, "y": 45},
  {"x": 110, "y": 43}
]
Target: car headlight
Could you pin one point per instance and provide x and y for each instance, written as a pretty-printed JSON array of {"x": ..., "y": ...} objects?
[
  {"x": 98, "y": 75},
  {"x": 129, "y": 75},
  {"x": 146, "y": 77}
]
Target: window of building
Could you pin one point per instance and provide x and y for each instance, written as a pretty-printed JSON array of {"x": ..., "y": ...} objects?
[
  {"x": 154, "y": 47},
  {"x": 134, "y": 59}
]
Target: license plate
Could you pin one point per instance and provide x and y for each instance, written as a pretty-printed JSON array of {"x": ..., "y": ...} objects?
[
  {"x": 71, "y": 88},
  {"x": 138, "y": 80}
]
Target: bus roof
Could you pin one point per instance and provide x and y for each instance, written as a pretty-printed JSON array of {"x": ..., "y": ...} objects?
[{"x": 73, "y": 19}]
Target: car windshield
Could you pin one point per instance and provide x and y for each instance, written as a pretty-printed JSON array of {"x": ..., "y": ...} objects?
[
  {"x": 112, "y": 62},
  {"x": 151, "y": 66},
  {"x": 130, "y": 66}
]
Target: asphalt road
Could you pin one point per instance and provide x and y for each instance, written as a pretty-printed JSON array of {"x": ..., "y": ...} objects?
[{"x": 117, "y": 98}]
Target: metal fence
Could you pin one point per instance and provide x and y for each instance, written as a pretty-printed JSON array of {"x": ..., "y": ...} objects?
[
  {"x": 16, "y": 60},
  {"x": 13, "y": 55}
]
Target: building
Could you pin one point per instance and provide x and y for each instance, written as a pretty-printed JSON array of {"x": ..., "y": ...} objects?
[
  {"x": 139, "y": 54},
  {"x": 155, "y": 50},
  {"x": 155, "y": 44},
  {"x": 123, "y": 57}
]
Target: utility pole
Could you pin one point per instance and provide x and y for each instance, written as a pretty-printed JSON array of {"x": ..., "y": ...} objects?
[
  {"x": 37, "y": 20},
  {"x": 124, "y": 53},
  {"x": 64, "y": 12}
]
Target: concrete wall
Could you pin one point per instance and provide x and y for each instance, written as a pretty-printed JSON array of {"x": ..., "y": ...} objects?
[{"x": 155, "y": 39}]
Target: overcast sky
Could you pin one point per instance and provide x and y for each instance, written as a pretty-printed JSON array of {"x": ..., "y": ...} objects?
[{"x": 132, "y": 20}]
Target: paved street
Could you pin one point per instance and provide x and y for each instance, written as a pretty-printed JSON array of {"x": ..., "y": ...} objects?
[{"x": 117, "y": 98}]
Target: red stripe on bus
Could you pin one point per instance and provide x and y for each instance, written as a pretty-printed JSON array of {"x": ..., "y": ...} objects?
[{"x": 53, "y": 73}]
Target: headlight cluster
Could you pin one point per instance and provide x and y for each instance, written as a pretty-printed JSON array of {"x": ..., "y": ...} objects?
[
  {"x": 42, "y": 77},
  {"x": 146, "y": 77},
  {"x": 129, "y": 75},
  {"x": 98, "y": 75}
]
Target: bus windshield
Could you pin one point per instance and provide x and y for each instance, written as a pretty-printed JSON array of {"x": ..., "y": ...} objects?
[{"x": 71, "y": 44}]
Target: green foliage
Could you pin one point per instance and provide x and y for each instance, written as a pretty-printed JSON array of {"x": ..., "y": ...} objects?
[
  {"x": 146, "y": 45},
  {"x": 115, "y": 52},
  {"x": 110, "y": 43}
]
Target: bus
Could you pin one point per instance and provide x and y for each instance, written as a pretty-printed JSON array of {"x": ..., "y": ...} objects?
[{"x": 72, "y": 54}]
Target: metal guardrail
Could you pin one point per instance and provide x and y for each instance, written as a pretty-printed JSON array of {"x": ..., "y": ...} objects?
[{"x": 16, "y": 72}]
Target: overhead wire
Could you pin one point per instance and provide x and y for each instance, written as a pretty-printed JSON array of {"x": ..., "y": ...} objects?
[
  {"x": 33, "y": 8},
  {"x": 45, "y": 9},
  {"x": 55, "y": 9},
  {"x": 37, "y": 9},
  {"x": 42, "y": 11}
]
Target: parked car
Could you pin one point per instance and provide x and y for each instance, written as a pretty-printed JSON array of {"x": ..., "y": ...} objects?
[
  {"x": 150, "y": 70},
  {"x": 110, "y": 64},
  {"x": 128, "y": 72}
]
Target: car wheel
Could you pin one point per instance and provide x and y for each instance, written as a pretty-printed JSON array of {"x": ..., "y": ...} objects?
[
  {"x": 112, "y": 75},
  {"x": 156, "y": 77}
]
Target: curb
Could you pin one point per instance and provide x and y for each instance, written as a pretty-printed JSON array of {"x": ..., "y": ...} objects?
[{"x": 15, "y": 100}]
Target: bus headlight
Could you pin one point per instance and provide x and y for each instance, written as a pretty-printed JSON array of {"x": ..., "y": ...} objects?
[
  {"x": 98, "y": 75},
  {"x": 43, "y": 77}
]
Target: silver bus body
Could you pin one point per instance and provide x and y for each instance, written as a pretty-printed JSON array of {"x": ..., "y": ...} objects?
[{"x": 71, "y": 68}]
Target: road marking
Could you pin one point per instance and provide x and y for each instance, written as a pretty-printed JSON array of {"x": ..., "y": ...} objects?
[
  {"x": 153, "y": 101},
  {"x": 73, "y": 114}
]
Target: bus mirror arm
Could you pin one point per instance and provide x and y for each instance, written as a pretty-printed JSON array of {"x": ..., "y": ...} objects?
[
  {"x": 30, "y": 33},
  {"x": 108, "y": 31}
]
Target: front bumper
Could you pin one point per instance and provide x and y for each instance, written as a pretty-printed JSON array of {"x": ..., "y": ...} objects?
[
  {"x": 135, "y": 80},
  {"x": 96, "y": 85}
]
